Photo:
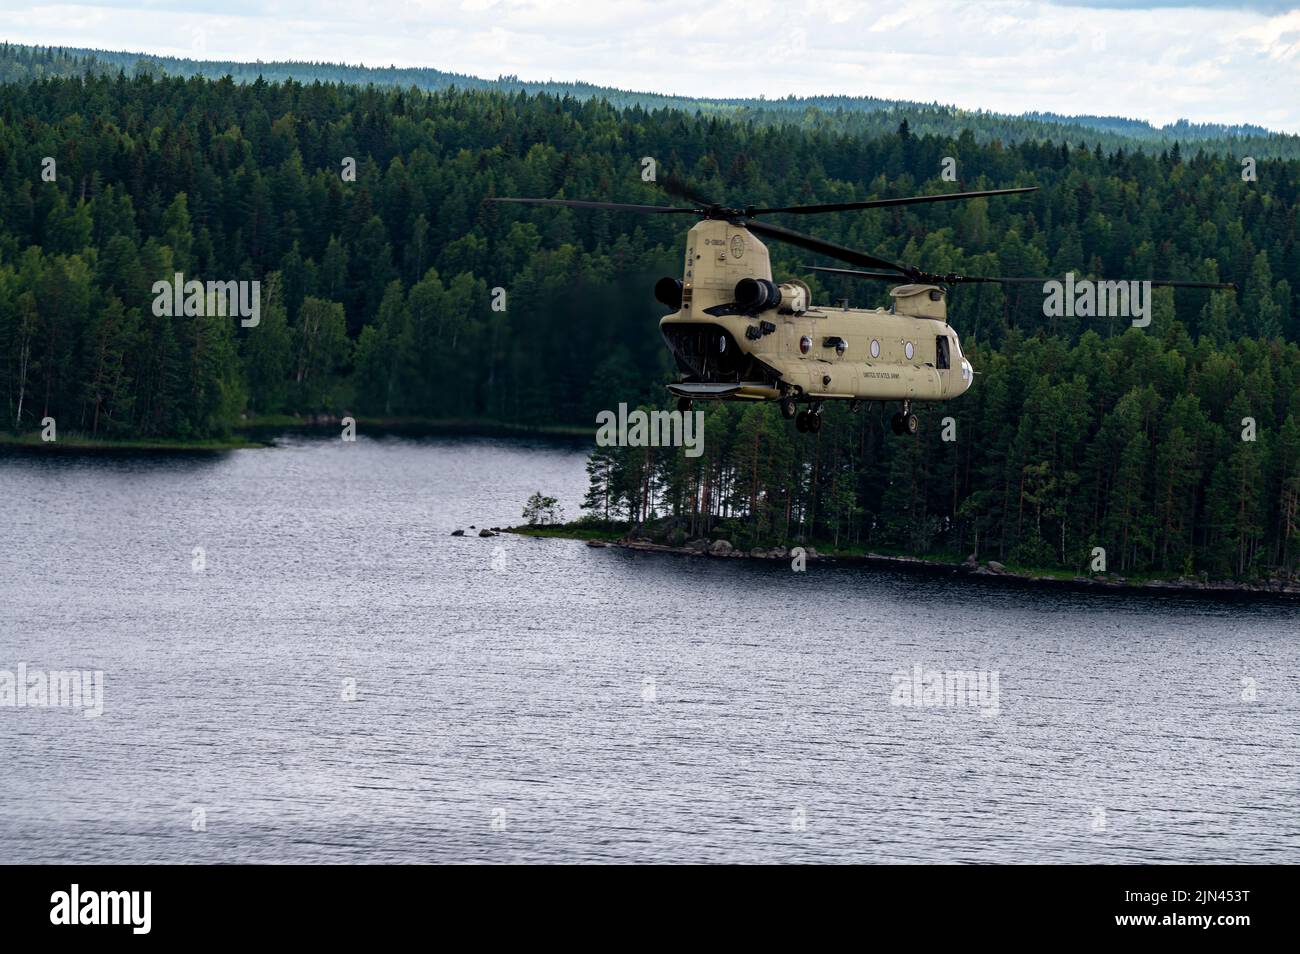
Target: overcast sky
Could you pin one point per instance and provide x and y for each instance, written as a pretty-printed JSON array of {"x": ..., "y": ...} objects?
[{"x": 1206, "y": 61}]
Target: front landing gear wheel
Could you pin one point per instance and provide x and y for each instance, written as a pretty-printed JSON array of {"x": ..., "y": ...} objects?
[
  {"x": 788, "y": 409},
  {"x": 814, "y": 423},
  {"x": 683, "y": 404},
  {"x": 905, "y": 423}
]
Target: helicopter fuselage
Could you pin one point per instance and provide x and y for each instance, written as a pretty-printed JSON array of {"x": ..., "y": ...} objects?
[{"x": 763, "y": 341}]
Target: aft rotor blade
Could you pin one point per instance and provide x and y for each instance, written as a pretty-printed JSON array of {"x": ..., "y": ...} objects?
[
  {"x": 1006, "y": 280},
  {"x": 585, "y": 204},
  {"x": 1155, "y": 282},
  {"x": 830, "y": 249},
  {"x": 922, "y": 276},
  {"x": 1177, "y": 284},
  {"x": 999, "y": 280},
  {"x": 883, "y": 203}
]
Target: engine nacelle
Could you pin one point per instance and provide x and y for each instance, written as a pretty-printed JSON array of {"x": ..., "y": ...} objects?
[
  {"x": 759, "y": 294},
  {"x": 668, "y": 291},
  {"x": 796, "y": 297},
  {"x": 920, "y": 301}
]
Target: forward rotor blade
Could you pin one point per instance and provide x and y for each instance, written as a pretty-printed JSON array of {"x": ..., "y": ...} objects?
[
  {"x": 883, "y": 203},
  {"x": 585, "y": 204},
  {"x": 830, "y": 249}
]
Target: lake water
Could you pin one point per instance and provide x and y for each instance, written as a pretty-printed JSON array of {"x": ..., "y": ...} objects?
[{"x": 538, "y": 700}]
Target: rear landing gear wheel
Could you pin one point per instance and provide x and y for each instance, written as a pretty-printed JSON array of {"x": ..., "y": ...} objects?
[
  {"x": 683, "y": 404},
  {"x": 896, "y": 424},
  {"x": 808, "y": 422},
  {"x": 912, "y": 425},
  {"x": 788, "y": 408}
]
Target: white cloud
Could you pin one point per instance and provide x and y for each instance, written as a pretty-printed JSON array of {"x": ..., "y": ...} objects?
[{"x": 1207, "y": 61}]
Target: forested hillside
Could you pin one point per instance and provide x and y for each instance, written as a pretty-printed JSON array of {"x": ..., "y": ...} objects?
[
  {"x": 863, "y": 115},
  {"x": 377, "y": 301}
]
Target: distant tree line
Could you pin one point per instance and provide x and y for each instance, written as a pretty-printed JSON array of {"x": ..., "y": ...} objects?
[{"x": 868, "y": 116}]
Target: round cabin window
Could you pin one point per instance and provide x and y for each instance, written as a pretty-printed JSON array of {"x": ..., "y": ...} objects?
[
  {"x": 841, "y": 346},
  {"x": 909, "y": 350},
  {"x": 875, "y": 348},
  {"x": 805, "y": 344}
]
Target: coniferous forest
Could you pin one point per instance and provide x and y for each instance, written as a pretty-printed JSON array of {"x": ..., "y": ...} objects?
[{"x": 377, "y": 296}]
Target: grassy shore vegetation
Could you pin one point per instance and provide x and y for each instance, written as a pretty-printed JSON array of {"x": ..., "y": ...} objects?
[
  {"x": 377, "y": 294},
  {"x": 261, "y": 431},
  {"x": 79, "y": 442},
  {"x": 671, "y": 532},
  {"x": 584, "y": 529},
  {"x": 411, "y": 425}
]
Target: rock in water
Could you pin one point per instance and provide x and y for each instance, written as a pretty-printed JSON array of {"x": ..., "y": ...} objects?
[
  {"x": 458, "y": 533},
  {"x": 486, "y": 533}
]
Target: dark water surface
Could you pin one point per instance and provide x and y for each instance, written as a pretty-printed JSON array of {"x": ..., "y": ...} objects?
[{"x": 537, "y": 700}]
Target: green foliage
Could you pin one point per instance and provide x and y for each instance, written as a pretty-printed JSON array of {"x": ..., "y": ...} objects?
[
  {"x": 542, "y": 510},
  {"x": 1059, "y": 449}
]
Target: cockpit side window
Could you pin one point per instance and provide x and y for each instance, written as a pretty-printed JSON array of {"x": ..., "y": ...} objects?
[{"x": 942, "y": 359}]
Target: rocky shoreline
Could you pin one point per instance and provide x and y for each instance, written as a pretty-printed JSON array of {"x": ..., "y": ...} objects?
[{"x": 979, "y": 570}]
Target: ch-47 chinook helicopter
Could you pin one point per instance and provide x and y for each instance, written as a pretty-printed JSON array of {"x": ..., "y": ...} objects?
[{"x": 737, "y": 335}]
